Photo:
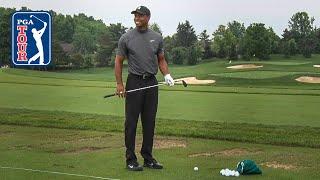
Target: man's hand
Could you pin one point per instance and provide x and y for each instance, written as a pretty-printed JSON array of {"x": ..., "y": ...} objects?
[
  {"x": 121, "y": 91},
  {"x": 169, "y": 80}
]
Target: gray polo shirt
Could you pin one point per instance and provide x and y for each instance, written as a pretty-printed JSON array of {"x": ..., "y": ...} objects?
[{"x": 141, "y": 49}]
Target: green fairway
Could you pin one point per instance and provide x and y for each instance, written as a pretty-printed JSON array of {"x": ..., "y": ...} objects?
[
  {"x": 199, "y": 106},
  {"x": 264, "y": 107},
  {"x": 239, "y": 96},
  {"x": 247, "y": 106}
]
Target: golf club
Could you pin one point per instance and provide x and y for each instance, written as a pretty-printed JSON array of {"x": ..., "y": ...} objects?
[
  {"x": 36, "y": 18},
  {"x": 147, "y": 87}
]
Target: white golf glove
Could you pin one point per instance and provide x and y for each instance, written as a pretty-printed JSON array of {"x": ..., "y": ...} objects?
[{"x": 169, "y": 80}]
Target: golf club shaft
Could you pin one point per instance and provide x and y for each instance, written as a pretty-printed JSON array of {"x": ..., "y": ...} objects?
[
  {"x": 133, "y": 90},
  {"x": 139, "y": 89}
]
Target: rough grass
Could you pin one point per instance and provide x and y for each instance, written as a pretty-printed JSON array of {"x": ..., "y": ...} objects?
[{"x": 99, "y": 153}]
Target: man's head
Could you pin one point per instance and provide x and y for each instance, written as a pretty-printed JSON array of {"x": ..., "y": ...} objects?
[{"x": 141, "y": 16}]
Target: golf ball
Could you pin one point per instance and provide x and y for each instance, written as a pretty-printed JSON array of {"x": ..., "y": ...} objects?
[{"x": 196, "y": 168}]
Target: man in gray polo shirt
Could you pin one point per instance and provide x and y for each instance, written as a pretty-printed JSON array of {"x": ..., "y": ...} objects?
[{"x": 143, "y": 48}]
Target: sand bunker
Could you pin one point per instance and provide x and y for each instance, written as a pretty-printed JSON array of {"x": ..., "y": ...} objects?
[
  {"x": 245, "y": 66},
  {"x": 308, "y": 79},
  {"x": 317, "y": 66},
  {"x": 169, "y": 143},
  {"x": 165, "y": 143},
  {"x": 194, "y": 80},
  {"x": 80, "y": 150},
  {"x": 277, "y": 165},
  {"x": 227, "y": 152}
]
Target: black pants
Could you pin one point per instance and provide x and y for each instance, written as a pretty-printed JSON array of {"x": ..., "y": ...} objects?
[{"x": 145, "y": 104}]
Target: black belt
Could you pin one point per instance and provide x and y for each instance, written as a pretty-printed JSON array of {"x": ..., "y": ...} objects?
[{"x": 143, "y": 76}]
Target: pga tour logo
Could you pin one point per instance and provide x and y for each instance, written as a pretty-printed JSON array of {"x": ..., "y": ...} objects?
[{"x": 31, "y": 38}]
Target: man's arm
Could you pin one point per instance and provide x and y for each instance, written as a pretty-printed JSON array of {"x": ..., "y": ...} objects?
[
  {"x": 118, "y": 73},
  {"x": 163, "y": 66}
]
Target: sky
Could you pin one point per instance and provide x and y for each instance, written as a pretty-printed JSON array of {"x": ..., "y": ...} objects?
[{"x": 202, "y": 14}]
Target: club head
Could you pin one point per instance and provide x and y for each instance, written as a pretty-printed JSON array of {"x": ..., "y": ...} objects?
[
  {"x": 31, "y": 16},
  {"x": 184, "y": 83}
]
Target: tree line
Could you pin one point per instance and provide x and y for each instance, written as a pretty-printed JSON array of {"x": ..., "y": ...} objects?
[{"x": 80, "y": 41}]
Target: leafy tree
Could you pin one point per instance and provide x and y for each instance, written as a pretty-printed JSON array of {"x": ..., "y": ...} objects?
[
  {"x": 155, "y": 27},
  {"x": 231, "y": 44},
  {"x": 302, "y": 29},
  {"x": 112, "y": 58},
  {"x": 168, "y": 56},
  {"x": 194, "y": 54},
  {"x": 238, "y": 30},
  {"x": 287, "y": 35},
  {"x": 83, "y": 41},
  {"x": 105, "y": 47},
  {"x": 59, "y": 57},
  {"x": 225, "y": 43},
  {"x": 257, "y": 42},
  {"x": 87, "y": 31},
  {"x": 64, "y": 28},
  {"x": 107, "y": 43},
  {"x": 292, "y": 47},
  {"x": 274, "y": 41},
  {"x": 5, "y": 32},
  {"x": 317, "y": 36},
  {"x": 289, "y": 48},
  {"x": 169, "y": 43},
  {"x": 77, "y": 60},
  {"x": 301, "y": 24},
  {"x": 185, "y": 35},
  {"x": 88, "y": 62},
  {"x": 307, "y": 45},
  {"x": 219, "y": 44},
  {"x": 205, "y": 44},
  {"x": 116, "y": 31},
  {"x": 179, "y": 55},
  {"x": 284, "y": 46}
]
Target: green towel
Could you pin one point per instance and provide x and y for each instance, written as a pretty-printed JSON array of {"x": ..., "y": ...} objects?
[{"x": 247, "y": 167}]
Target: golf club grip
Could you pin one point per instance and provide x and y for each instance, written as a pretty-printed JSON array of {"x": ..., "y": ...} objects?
[{"x": 110, "y": 95}]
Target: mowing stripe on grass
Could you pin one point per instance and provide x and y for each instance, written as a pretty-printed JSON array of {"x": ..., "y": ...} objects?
[
  {"x": 287, "y": 135},
  {"x": 65, "y": 85},
  {"x": 54, "y": 172},
  {"x": 179, "y": 90}
]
